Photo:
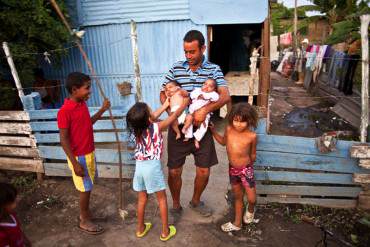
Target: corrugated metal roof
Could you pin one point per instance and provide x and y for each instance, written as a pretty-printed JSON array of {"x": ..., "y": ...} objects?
[
  {"x": 109, "y": 49},
  {"x": 228, "y": 11},
  {"x": 96, "y": 12}
]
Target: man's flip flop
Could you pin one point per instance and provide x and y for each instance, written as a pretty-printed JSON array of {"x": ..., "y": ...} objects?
[
  {"x": 148, "y": 225},
  {"x": 98, "y": 230},
  {"x": 170, "y": 234}
]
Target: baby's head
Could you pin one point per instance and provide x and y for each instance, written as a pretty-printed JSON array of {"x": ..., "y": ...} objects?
[
  {"x": 243, "y": 116},
  {"x": 8, "y": 196},
  {"x": 138, "y": 119},
  {"x": 209, "y": 85},
  {"x": 171, "y": 88}
]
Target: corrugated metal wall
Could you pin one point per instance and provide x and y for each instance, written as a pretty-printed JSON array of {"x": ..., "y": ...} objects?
[
  {"x": 97, "y": 12},
  {"x": 109, "y": 49}
]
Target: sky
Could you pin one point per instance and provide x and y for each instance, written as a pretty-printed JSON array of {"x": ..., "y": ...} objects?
[{"x": 290, "y": 3}]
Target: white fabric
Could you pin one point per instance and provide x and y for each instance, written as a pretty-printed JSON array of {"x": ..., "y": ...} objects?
[
  {"x": 181, "y": 118},
  {"x": 200, "y": 132},
  {"x": 286, "y": 57},
  {"x": 197, "y": 103}
]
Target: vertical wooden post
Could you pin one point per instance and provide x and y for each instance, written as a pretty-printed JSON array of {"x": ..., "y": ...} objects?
[
  {"x": 18, "y": 85},
  {"x": 295, "y": 44},
  {"x": 365, "y": 76},
  {"x": 265, "y": 66},
  {"x": 135, "y": 55},
  {"x": 13, "y": 70}
]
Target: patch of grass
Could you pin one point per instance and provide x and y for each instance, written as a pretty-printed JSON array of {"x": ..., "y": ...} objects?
[{"x": 24, "y": 183}]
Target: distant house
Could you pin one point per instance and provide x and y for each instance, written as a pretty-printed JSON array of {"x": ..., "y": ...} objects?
[{"x": 230, "y": 27}]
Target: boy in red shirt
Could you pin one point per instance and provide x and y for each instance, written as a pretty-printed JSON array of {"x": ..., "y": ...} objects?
[{"x": 77, "y": 140}]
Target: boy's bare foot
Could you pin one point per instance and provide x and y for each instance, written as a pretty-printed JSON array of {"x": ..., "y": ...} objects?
[
  {"x": 196, "y": 143},
  {"x": 186, "y": 139}
]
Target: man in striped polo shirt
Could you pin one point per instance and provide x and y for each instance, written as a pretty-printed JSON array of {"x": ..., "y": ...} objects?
[{"x": 191, "y": 74}]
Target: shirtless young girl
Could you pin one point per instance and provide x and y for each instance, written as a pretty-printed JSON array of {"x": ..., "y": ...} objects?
[{"x": 240, "y": 143}]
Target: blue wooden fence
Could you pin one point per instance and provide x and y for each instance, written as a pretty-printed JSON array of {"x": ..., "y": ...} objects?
[
  {"x": 290, "y": 169},
  {"x": 45, "y": 129}
]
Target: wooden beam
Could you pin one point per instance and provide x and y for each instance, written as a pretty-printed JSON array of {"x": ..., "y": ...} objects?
[
  {"x": 104, "y": 170},
  {"x": 331, "y": 203},
  {"x": 15, "y": 128},
  {"x": 14, "y": 116},
  {"x": 361, "y": 151},
  {"x": 27, "y": 165},
  {"x": 52, "y": 113},
  {"x": 364, "y": 201},
  {"x": 19, "y": 152},
  {"x": 364, "y": 163},
  {"x": 17, "y": 141},
  {"x": 265, "y": 65},
  {"x": 135, "y": 57},
  {"x": 365, "y": 19},
  {"x": 361, "y": 178},
  {"x": 305, "y": 190}
]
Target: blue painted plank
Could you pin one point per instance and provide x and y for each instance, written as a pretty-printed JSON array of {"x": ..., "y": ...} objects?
[
  {"x": 304, "y": 177},
  {"x": 307, "y": 162},
  {"x": 331, "y": 203},
  {"x": 52, "y": 113},
  {"x": 261, "y": 126},
  {"x": 304, "y": 190},
  {"x": 102, "y": 155},
  {"x": 99, "y": 125},
  {"x": 98, "y": 137},
  {"x": 300, "y": 145},
  {"x": 104, "y": 170}
]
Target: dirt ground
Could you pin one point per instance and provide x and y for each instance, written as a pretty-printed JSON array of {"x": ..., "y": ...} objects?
[
  {"x": 49, "y": 210},
  {"x": 295, "y": 112}
]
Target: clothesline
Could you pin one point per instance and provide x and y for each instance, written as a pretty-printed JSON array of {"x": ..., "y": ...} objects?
[{"x": 259, "y": 94}]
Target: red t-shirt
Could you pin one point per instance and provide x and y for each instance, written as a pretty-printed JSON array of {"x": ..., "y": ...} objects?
[
  {"x": 11, "y": 234},
  {"x": 76, "y": 118}
]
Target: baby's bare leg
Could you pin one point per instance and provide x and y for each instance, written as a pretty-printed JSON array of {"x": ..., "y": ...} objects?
[
  {"x": 188, "y": 122},
  {"x": 175, "y": 127},
  {"x": 196, "y": 143}
]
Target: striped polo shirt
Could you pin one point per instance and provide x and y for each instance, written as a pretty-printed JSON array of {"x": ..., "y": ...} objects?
[{"x": 189, "y": 80}]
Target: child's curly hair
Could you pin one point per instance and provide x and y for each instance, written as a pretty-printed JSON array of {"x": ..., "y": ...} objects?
[
  {"x": 243, "y": 112},
  {"x": 138, "y": 119}
]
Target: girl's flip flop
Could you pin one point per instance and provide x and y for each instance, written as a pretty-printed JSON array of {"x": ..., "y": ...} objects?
[
  {"x": 148, "y": 225},
  {"x": 170, "y": 235}
]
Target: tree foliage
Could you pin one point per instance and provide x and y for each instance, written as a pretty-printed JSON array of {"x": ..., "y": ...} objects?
[{"x": 29, "y": 27}]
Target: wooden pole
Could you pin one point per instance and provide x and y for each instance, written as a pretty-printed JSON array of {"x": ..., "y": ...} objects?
[
  {"x": 265, "y": 67},
  {"x": 295, "y": 45},
  {"x": 13, "y": 70},
  {"x": 18, "y": 85},
  {"x": 92, "y": 71},
  {"x": 135, "y": 56},
  {"x": 365, "y": 77}
]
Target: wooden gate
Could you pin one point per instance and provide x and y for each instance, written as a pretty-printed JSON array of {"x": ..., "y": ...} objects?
[{"x": 18, "y": 149}]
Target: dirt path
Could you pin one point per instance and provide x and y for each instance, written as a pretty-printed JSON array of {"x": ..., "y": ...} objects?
[{"x": 52, "y": 222}]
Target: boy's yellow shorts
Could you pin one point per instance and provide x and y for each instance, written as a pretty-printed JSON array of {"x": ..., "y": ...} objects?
[{"x": 84, "y": 184}]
